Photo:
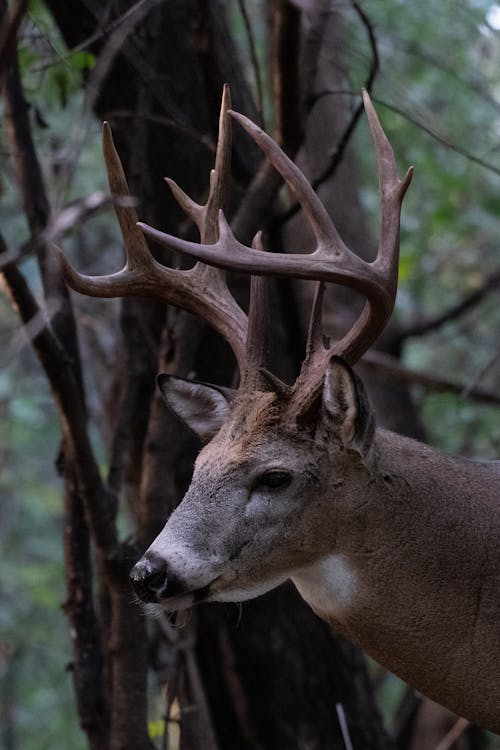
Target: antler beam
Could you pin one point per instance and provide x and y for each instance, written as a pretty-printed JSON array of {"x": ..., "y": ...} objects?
[{"x": 331, "y": 261}]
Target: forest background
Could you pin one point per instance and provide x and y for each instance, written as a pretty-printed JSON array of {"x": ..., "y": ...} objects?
[{"x": 433, "y": 72}]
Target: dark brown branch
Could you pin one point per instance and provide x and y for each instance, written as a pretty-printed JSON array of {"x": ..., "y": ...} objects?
[
  {"x": 22, "y": 151},
  {"x": 37, "y": 209},
  {"x": 391, "y": 367},
  {"x": 128, "y": 646},
  {"x": 87, "y": 666},
  {"x": 9, "y": 654},
  {"x": 258, "y": 204},
  {"x": 285, "y": 58},
  {"x": 8, "y": 32},
  {"x": 421, "y": 327}
]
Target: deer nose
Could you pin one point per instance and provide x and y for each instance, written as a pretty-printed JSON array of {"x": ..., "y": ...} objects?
[{"x": 149, "y": 577}]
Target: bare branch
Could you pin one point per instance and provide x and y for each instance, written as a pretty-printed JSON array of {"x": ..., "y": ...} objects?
[
  {"x": 120, "y": 31},
  {"x": 88, "y": 667},
  {"x": 346, "y": 136},
  {"x": 454, "y": 734},
  {"x": 8, "y": 32},
  {"x": 76, "y": 213},
  {"x": 421, "y": 327},
  {"x": 254, "y": 59},
  {"x": 285, "y": 77},
  {"x": 391, "y": 367},
  {"x": 36, "y": 205},
  {"x": 68, "y": 218},
  {"x": 437, "y": 136},
  {"x": 494, "y": 358},
  {"x": 257, "y": 205},
  {"x": 337, "y": 156}
]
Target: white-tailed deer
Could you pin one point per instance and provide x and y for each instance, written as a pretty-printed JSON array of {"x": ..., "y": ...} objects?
[{"x": 393, "y": 543}]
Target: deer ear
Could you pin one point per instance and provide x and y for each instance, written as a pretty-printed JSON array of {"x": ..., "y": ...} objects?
[
  {"x": 346, "y": 408},
  {"x": 202, "y": 407}
]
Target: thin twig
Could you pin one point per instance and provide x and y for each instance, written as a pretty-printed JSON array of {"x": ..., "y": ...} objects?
[
  {"x": 393, "y": 369},
  {"x": 437, "y": 136},
  {"x": 343, "y": 726},
  {"x": 453, "y": 735},
  {"x": 481, "y": 373},
  {"x": 121, "y": 31},
  {"x": 421, "y": 327},
  {"x": 254, "y": 59},
  {"x": 337, "y": 156},
  {"x": 441, "y": 139},
  {"x": 104, "y": 30},
  {"x": 68, "y": 218},
  {"x": 184, "y": 641}
]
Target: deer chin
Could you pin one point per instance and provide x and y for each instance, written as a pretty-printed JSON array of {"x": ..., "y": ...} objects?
[
  {"x": 230, "y": 591},
  {"x": 221, "y": 591}
]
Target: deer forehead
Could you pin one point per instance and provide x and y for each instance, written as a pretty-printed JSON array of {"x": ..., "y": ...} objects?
[
  {"x": 226, "y": 459},
  {"x": 252, "y": 415},
  {"x": 255, "y": 446}
]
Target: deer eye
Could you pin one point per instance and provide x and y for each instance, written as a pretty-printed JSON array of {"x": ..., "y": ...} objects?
[{"x": 274, "y": 480}]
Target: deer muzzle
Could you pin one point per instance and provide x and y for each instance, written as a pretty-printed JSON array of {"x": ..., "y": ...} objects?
[{"x": 153, "y": 582}]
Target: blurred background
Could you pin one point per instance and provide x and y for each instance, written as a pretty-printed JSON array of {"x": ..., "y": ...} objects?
[{"x": 269, "y": 676}]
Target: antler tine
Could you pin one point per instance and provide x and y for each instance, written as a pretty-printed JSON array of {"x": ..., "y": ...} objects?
[
  {"x": 392, "y": 192},
  {"x": 142, "y": 276},
  {"x": 315, "y": 339},
  {"x": 374, "y": 316},
  {"x": 206, "y": 217},
  {"x": 220, "y": 177},
  {"x": 331, "y": 261},
  {"x": 321, "y": 224},
  {"x": 138, "y": 259},
  {"x": 258, "y": 330}
]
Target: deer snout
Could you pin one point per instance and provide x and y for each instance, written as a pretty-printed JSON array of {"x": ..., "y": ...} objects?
[
  {"x": 153, "y": 581},
  {"x": 149, "y": 577}
]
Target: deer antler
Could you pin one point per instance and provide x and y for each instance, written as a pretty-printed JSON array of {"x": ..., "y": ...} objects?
[
  {"x": 201, "y": 290},
  {"x": 331, "y": 260}
]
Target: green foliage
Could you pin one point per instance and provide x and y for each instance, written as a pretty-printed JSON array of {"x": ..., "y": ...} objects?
[{"x": 51, "y": 74}]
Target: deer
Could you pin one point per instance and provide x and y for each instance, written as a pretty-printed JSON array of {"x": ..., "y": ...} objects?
[{"x": 393, "y": 543}]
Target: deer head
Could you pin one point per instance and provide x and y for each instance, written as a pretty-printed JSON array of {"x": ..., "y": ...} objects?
[{"x": 262, "y": 484}]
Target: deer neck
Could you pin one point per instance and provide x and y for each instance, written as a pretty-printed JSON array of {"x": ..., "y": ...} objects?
[{"x": 414, "y": 570}]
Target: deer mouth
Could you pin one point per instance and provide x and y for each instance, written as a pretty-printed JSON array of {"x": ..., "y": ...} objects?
[{"x": 187, "y": 599}]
